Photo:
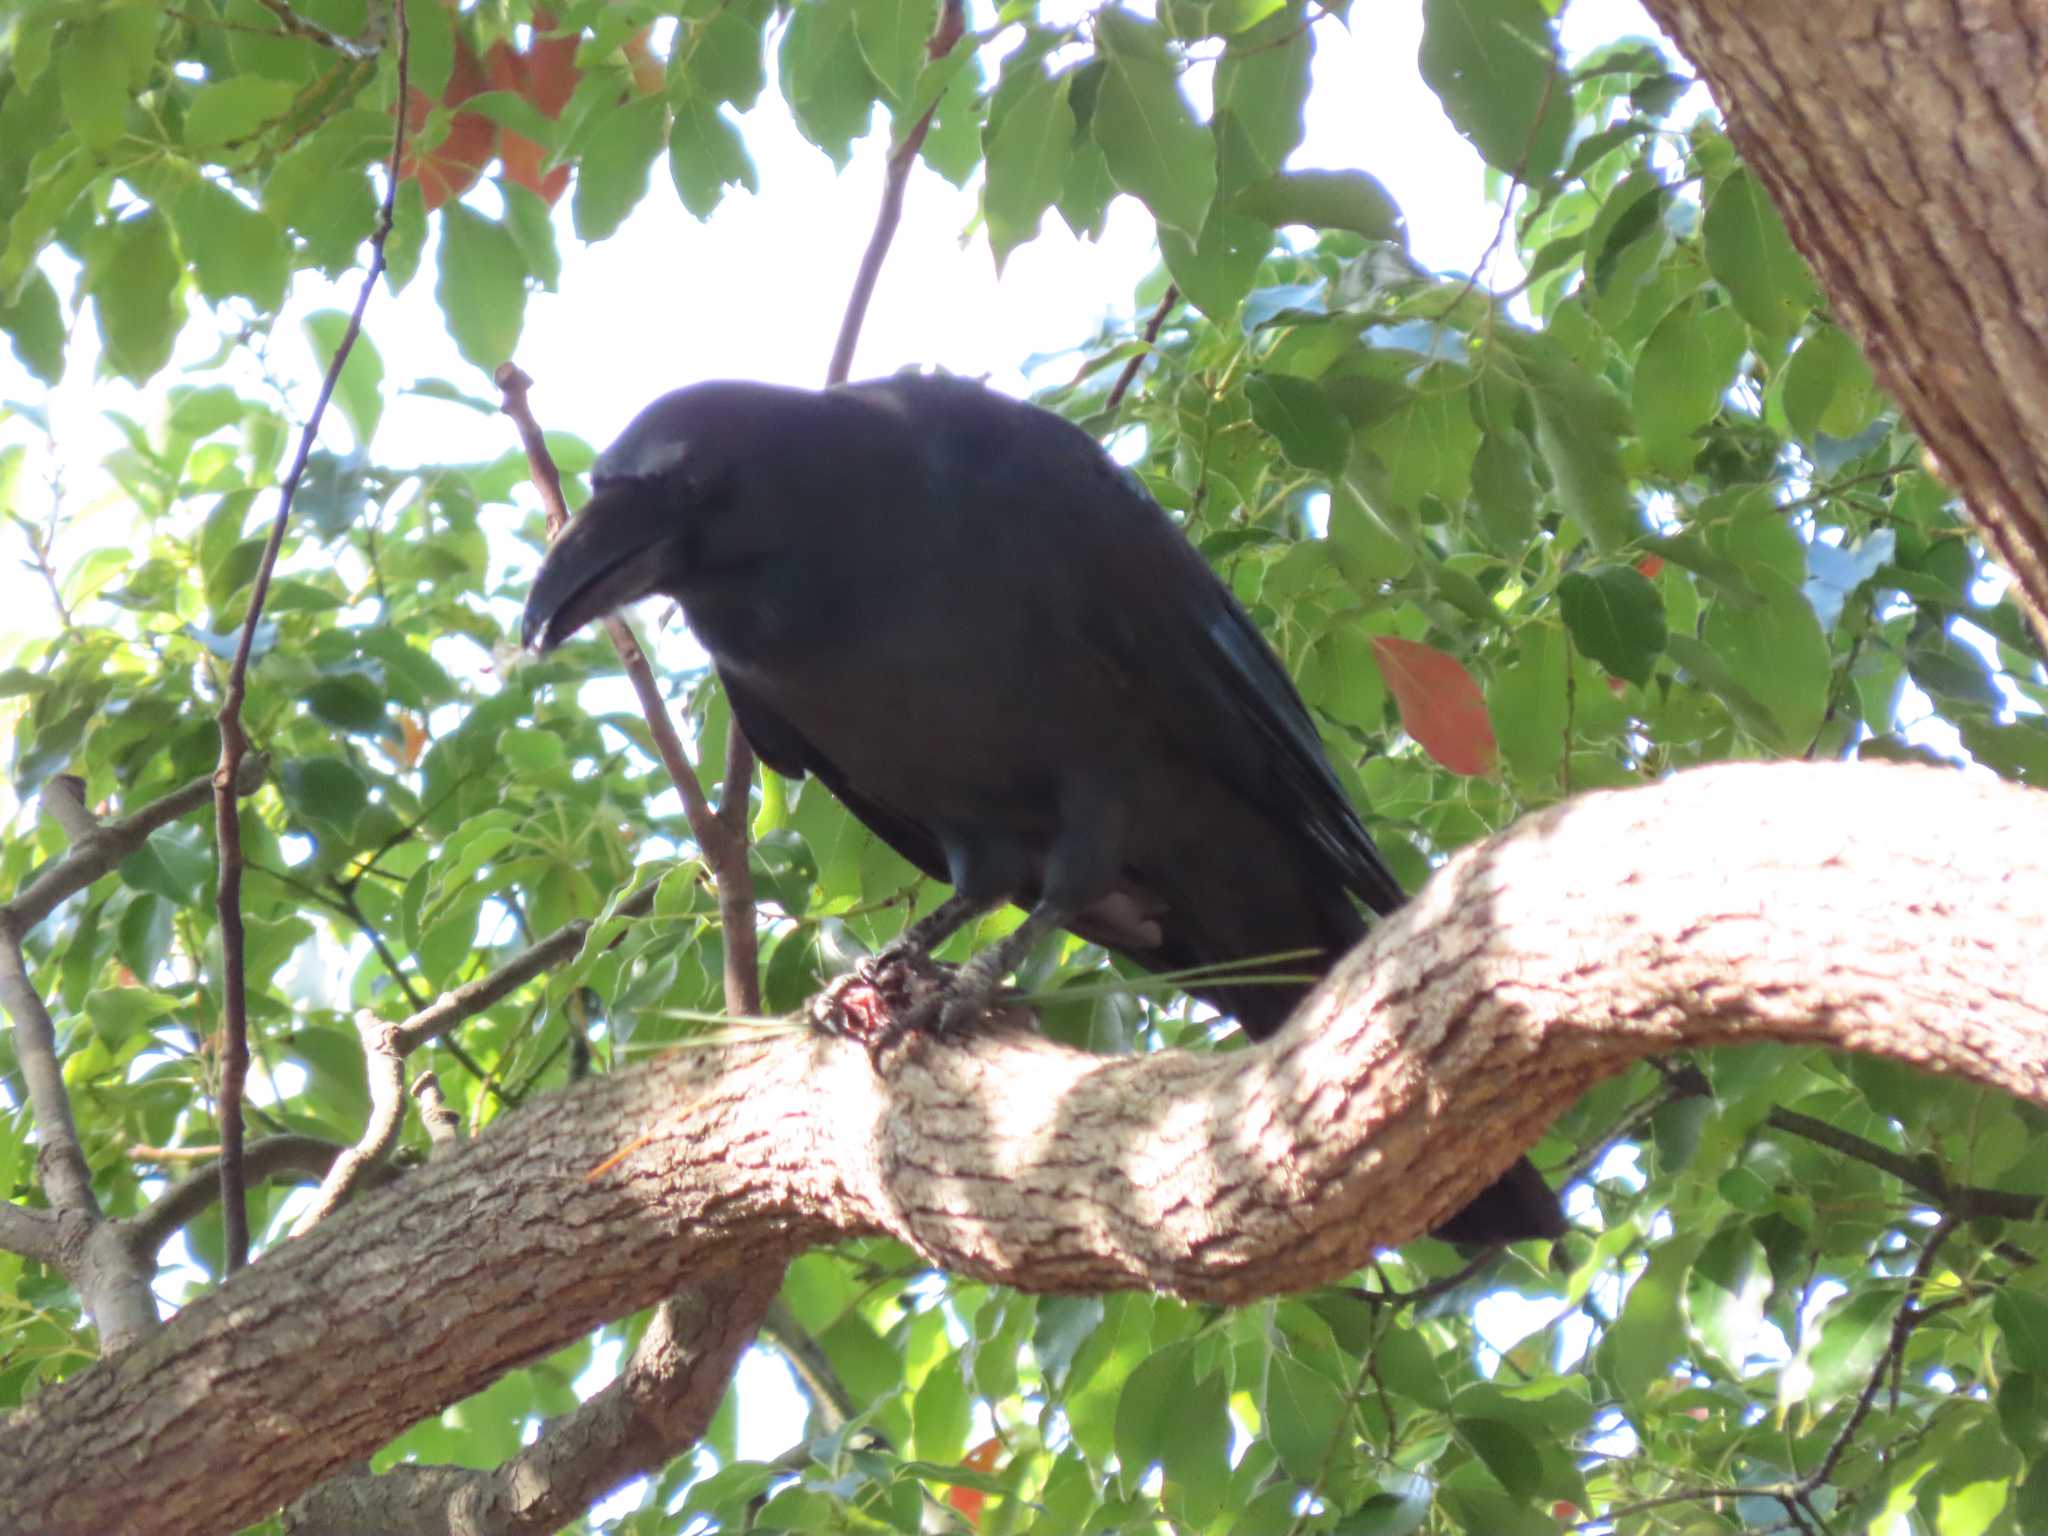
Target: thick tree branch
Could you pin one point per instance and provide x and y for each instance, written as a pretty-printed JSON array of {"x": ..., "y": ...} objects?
[
  {"x": 234, "y": 740},
  {"x": 1894, "y": 910},
  {"x": 659, "y": 1406},
  {"x": 1894, "y": 120}
]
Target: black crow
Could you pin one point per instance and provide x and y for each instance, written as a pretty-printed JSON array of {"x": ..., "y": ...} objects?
[{"x": 999, "y": 652}]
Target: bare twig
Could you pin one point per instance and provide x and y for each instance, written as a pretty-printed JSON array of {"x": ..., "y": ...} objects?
[
  {"x": 742, "y": 945},
  {"x": 234, "y": 742},
  {"x": 443, "y": 1128},
  {"x": 363, "y": 51},
  {"x": 380, "y": 1132},
  {"x": 951, "y": 25},
  {"x": 1123, "y": 380}
]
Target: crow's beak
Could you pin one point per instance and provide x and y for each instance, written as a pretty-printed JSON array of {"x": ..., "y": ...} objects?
[{"x": 609, "y": 555}]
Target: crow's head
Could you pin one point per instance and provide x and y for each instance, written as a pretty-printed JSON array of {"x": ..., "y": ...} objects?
[{"x": 666, "y": 508}]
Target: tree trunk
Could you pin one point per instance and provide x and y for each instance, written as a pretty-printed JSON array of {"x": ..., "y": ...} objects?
[
  {"x": 1906, "y": 145},
  {"x": 1894, "y": 910}
]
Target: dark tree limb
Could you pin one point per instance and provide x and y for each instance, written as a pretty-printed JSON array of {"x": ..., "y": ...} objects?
[
  {"x": 234, "y": 740},
  {"x": 1130, "y": 371}
]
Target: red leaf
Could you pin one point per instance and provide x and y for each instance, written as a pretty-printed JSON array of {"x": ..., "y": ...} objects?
[
  {"x": 451, "y": 167},
  {"x": 1440, "y": 704},
  {"x": 969, "y": 1500},
  {"x": 1649, "y": 566}
]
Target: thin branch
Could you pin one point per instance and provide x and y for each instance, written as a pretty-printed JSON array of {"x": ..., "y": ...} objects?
[
  {"x": 272, "y": 1157},
  {"x": 64, "y": 799},
  {"x": 1964, "y": 1201},
  {"x": 362, "y": 51},
  {"x": 951, "y": 25},
  {"x": 110, "y": 843},
  {"x": 443, "y": 1128},
  {"x": 735, "y": 876},
  {"x": 234, "y": 741},
  {"x": 472, "y": 998},
  {"x": 386, "y": 1072},
  {"x": 37, "y": 1235},
  {"x": 1123, "y": 380},
  {"x": 721, "y": 836}
]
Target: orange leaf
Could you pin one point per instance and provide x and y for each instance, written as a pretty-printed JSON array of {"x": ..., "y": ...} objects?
[
  {"x": 518, "y": 73},
  {"x": 969, "y": 1500},
  {"x": 1440, "y": 704},
  {"x": 451, "y": 167}
]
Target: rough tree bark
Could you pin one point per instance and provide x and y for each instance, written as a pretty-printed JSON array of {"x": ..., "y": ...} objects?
[
  {"x": 1906, "y": 145},
  {"x": 1897, "y": 910}
]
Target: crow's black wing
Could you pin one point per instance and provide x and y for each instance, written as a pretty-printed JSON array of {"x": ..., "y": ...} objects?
[{"x": 785, "y": 749}]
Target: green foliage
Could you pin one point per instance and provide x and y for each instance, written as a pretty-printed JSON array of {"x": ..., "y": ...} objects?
[{"x": 1644, "y": 510}]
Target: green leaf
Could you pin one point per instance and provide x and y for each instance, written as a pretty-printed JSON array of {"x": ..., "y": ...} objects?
[
  {"x": 1577, "y": 432},
  {"x": 1508, "y": 1454},
  {"x": 1370, "y": 543},
  {"x": 1493, "y": 65},
  {"x": 611, "y": 177},
  {"x": 1349, "y": 200},
  {"x": 2022, "y": 1316},
  {"x": 225, "y": 112},
  {"x": 1301, "y": 420},
  {"x": 94, "y": 81},
  {"x": 1778, "y": 653},
  {"x": 1429, "y": 443},
  {"x": 1853, "y": 1337},
  {"x": 1616, "y": 617},
  {"x": 1725, "y": 1295},
  {"x": 892, "y": 35},
  {"x": 705, "y": 156},
  {"x": 1529, "y": 705},
  {"x": 718, "y": 58},
  {"x": 941, "y": 1414},
  {"x": 1681, "y": 375},
  {"x": 1752, "y": 257},
  {"x": 235, "y": 250},
  {"x": 134, "y": 280},
  {"x": 1155, "y": 149},
  {"x": 482, "y": 286},
  {"x": 34, "y": 323},
  {"x": 324, "y": 789},
  {"x": 1261, "y": 86},
  {"x": 1217, "y": 270},
  {"x": 1829, "y": 387},
  {"x": 1304, "y": 1415},
  {"x": 359, "y": 392},
  {"x": 830, "y": 91},
  {"x": 1028, "y": 153},
  {"x": 1504, "y": 491}
]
